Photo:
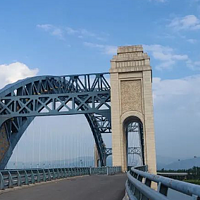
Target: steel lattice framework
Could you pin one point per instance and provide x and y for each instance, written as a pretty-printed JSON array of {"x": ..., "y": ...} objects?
[
  {"x": 136, "y": 127},
  {"x": 87, "y": 94},
  {"x": 131, "y": 150}
]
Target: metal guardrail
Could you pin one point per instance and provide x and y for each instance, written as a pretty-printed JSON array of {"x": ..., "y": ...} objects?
[
  {"x": 138, "y": 186},
  {"x": 13, "y": 178}
]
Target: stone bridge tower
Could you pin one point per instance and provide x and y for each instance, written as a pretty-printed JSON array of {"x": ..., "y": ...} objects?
[{"x": 131, "y": 100}]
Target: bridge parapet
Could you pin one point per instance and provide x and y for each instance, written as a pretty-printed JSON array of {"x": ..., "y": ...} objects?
[
  {"x": 139, "y": 186},
  {"x": 13, "y": 178}
]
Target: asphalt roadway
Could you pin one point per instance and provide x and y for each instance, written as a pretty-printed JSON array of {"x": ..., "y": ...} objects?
[{"x": 96, "y": 187}]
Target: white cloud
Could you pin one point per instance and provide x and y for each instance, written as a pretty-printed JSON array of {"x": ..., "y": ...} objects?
[
  {"x": 93, "y": 45},
  {"x": 106, "y": 49},
  {"x": 110, "y": 50},
  {"x": 53, "y": 30},
  {"x": 177, "y": 115},
  {"x": 87, "y": 33},
  {"x": 61, "y": 32},
  {"x": 189, "y": 22},
  {"x": 83, "y": 33},
  {"x": 15, "y": 71},
  {"x": 165, "y": 55},
  {"x": 165, "y": 89},
  {"x": 192, "y": 41},
  {"x": 45, "y": 27},
  {"x": 194, "y": 65},
  {"x": 70, "y": 31}
]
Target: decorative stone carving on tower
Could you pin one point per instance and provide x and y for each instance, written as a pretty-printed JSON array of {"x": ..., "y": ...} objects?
[{"x": 131, "y": 98}]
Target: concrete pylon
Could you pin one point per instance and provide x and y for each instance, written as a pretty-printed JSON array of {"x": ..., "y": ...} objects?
[
  {"x": 131, "y": 98},
  {"x": 96, "y": 157}
]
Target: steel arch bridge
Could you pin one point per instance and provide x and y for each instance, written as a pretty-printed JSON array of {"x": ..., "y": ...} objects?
[{"x": 21, "y": 102}]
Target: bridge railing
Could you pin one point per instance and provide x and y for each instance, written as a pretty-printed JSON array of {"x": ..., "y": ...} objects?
[
  {"x": 138, "y": 186},
  {"x": 13, "y": 178}
]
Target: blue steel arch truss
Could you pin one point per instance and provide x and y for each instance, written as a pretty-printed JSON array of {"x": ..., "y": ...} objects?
[{"x": 87, "y": 94}]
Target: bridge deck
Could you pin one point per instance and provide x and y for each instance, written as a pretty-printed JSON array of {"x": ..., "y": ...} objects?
[{"x": 97, "y": 187}]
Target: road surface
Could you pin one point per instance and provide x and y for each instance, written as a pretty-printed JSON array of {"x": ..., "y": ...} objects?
[{"x": 96, "y": 187}]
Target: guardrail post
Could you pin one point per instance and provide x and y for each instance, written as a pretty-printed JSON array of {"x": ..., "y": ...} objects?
[
  {"x": 32, "y": 177},
  {"x": 2, "y": 186},
  {"x": 58, "y": 174},
  {"x": 77, "y": 171},
  {"x": 139, "y": 178},
  {"x": 147, "y": 182},
  {"x": 18, "y": 178},
  {"x": 54, "y": 176},
  {"x": 81, "y": 171},
  {"x": 10, "y": 181},
  {"x": 65, "y": 173},
  {"x": 162, "y": 189},
  {"x": 38, "y": 176},
  {"x": 90, "y": 172},
  {"x": 26, "y": 178},
  {"x": 87, "y": 171},
  {"x": 68, "y": 172},
  {"x": 72, "y": 172},
  {"x": 49, "y": 175},
  {"x": 107, "y": 170},
  {"x": 44, "y": 175},
  {"x": 61, "y": 173},
  {"x": 84, "y": 170}
]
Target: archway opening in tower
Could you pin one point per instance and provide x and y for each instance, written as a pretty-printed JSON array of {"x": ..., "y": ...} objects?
[{"x": 133, "y": 129}]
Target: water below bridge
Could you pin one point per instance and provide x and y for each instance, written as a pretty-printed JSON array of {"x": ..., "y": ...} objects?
[{"x": 97, "y": 187}]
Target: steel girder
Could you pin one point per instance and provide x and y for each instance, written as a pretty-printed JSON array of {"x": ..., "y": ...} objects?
[
  {"x": 20, "y": 102},
  {"x": 131, "y": 150}
]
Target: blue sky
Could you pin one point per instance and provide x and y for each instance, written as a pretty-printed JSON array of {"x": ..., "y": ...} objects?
[
  {"x": 75, "y": 36},
  {"x": 65, "y": 37}
]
